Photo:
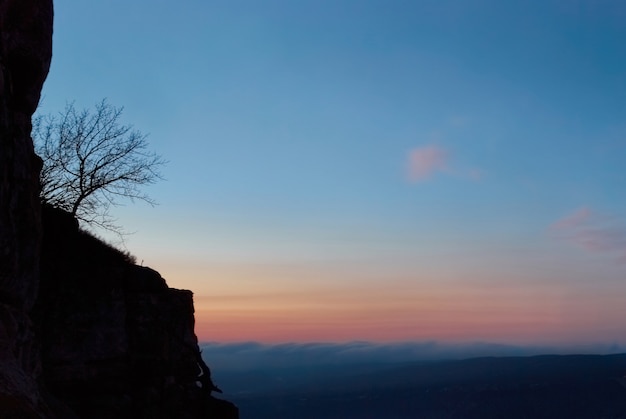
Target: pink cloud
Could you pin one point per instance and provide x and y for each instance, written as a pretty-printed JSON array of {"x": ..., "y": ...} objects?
[
  {"x": 601, "y": 239},
  {"x": 572, "y": 220},
  {"x": 592, "y": 232},
  {"x": 424, "y": 161}
]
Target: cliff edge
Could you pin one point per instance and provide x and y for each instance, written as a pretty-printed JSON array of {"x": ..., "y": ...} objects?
[
  {"x": 116, "y": 340},
  {"x": 84, "y": 332}
]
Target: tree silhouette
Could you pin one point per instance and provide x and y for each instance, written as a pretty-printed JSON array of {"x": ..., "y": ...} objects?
[{"x": 91, "y": 162}]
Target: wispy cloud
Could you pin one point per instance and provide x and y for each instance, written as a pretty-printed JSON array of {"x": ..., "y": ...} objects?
[
  {"x": 425, "y": 161},
  {"x": 593, "y": 232},
  {"x": 572, "y": 220}
]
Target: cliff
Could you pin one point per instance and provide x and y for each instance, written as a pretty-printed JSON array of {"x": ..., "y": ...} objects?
[
  {"x": 25, "y": 53},
  {"x": 84, "y": 332},
  {"x": 116, "y": 340}
]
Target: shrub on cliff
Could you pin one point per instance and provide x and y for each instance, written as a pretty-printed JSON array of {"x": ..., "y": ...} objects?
[{"x": 91, "y": 162}]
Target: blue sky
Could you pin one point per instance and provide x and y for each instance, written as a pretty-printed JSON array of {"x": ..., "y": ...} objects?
[{"x": 470, "y": 150}]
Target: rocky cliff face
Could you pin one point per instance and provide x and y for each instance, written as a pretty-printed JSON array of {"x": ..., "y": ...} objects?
[
  {"x": 117, "y": 341},
  {"x": 90, "y": 334},
  {"x": 25, "y": 53}
]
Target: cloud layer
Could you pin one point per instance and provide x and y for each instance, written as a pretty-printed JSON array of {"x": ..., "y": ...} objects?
[
  {"x": 593, "y": 232},
  {"x": 254, "y": 355}
]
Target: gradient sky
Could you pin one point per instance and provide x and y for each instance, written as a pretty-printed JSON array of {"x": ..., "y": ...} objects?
[{"x": 376, "y": 170}]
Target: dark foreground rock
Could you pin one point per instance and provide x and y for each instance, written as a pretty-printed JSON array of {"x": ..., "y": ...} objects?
[
  {"x": 117, "y": 342},
  {"x": 103, "y": 338},
  {"x": 25, "y": 53}
]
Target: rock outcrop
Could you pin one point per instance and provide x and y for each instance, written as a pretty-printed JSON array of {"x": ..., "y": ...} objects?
[
  {"x": 84, "y": 332},
  {"x": 25, "y": 54},
  {"x": 117, "y": 342}
]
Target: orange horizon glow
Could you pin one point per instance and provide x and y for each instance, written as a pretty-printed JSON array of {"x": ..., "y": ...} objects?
[
  {"x": 444, "y": 313},
  {"x": 341, "y": 302}
]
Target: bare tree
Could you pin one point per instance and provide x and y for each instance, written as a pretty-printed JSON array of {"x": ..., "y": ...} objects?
[{"x": 91, "y": 162}]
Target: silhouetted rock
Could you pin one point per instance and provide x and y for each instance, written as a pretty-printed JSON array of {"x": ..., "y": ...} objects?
[
  {"x": 104, "y": 338},
  {"x": 116, "y": 340},
  {"x": 25, "y": 53}
]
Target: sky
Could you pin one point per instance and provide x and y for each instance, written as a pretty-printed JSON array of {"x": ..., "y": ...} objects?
[{"x": 371, "y": 170}]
